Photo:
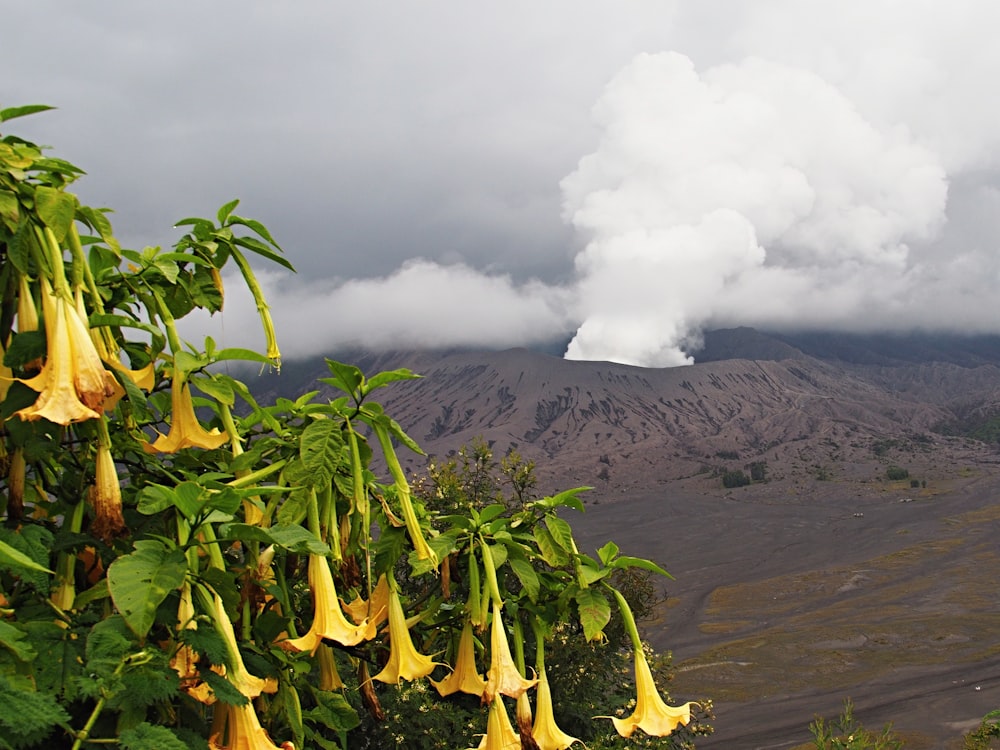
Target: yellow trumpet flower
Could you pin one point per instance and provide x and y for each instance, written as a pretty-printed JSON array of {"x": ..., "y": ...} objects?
[
  {"x": 329, "y": 677},
  {"x": 546, "y": 732},
  {"x": 73, "y": 385},
  {"x": 651, "y": 715},
  {"x": 250, "y": 685},
  {"x": 328, "y": 619},
  {"x": 500, "y": 735},
  {"x": 504, "y": 677},
  {"x": 376, "y": 609},
  {"x": 405, "y": 662},
  {"x": 185, "y": 429},
  {"x": 241, "y": 730},
  {"x": 106, "y": 497},
  {"x": 464, "y": 678}
]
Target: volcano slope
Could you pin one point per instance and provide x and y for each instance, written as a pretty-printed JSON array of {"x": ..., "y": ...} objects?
[{"x": 827, "y": 580}]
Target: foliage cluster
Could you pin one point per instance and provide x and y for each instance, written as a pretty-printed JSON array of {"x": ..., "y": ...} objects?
[{"x": 181, "y": 566}]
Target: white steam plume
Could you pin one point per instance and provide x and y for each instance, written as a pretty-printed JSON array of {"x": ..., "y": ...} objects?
[{"x": 751, "y": 193}]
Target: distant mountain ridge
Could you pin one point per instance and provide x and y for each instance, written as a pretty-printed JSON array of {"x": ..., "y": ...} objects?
[{"x": 752, "y": 395}]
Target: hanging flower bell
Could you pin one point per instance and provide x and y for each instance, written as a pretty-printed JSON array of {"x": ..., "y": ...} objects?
[
  {"x": 464, "y": 677},
  {"x": 500, "y": 735},
  {"x": 185, "y": 429},
  {"x": 328, "y": 618},
  {"x": 504, "y": 677},
  {"x": 405, "y": 662}
]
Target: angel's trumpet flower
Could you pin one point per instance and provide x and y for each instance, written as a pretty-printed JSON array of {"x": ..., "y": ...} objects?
[
  {"x": 405, "y": 662},
  {"x": 73, "y": 385},
  {"x": 522, "y": 718},
  {"x": 185, "y": 660},
  {"x": 248, "y": 684},
  {"x": 106, "y": 497},
  {"x": 375, "y": 609},
  {"x": 651, "y": 715},
  {"x": 185, "y": 429},
  {"x": 329, "y": 677},
  {"x": 500, "y": 735},
  {"x": 6, "y": 375},
  {"x": 504, "y": 677},
  {"x": 464, "y": 678},
  {"x": 328, "y": 618},
  {"x": 238, "y": 728},
  {"x": 546, "y": 732}
]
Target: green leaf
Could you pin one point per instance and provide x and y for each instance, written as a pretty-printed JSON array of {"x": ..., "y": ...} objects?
[
  {"x": 10, "y": 209},
  {"x": 146, "y": 736},
  {"x": 595, "y": 612},
  {"x": 255, "y": 226},
  {"x": 261, "y": 249},
  {"x": 608, "y": 553},
  {"x": 19, "y": 248},
  {"x": 320, "y": 450},
  {"x": 224, "y": 690},
  {"x": 225, "y": 210},
  {"x": 525, "y": 573},
  {"x": 25, "y": 109},
  {"x": 188, "y": 497},
  {"x": 562, "y": 532},
  {"x": 139, "y": 582},
  {"x": 26, "y": 717},
  {"x": 14, "y": 641},
  {"x": 638, "y": 562},
  {"x": 333, "y": 711},
  {"x": 551, "y": 552},
  {"x": 291, "y": 537},
  {"x": 98, "y": 221},
  {"x": 347, "y": 378},
  {"x": 56, "y": 208},
  {"x": 154, "y": 498},
  {"x": 10, "y": 557},
  {"x": 235, "y": 353},
  {"x": 390, "y": 376},
  {"x": 567, "y": 498}
]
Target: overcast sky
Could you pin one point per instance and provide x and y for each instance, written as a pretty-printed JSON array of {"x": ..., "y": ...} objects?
[{"x": 617, "y": 175}]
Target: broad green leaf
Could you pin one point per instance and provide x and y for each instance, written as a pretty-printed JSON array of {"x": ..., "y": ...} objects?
[
  {"x": 567, "y": 498},
  {"x": 319, "y": 448},
  {"x": 347, "y": 378},
  {"x": 334, "y": 712},
  {"x": 608, "y": 553},
  {"x": 139, "y": 582},
  {"x": 10, "y": 113},
  {"x": 562, "y": 532},
  {"x": 551, "y": 552},
  {"x": 390, "y": 376},
  {"x": 56, "y": 208},
  {"x": 154, "y": 498},
  {"x": 292, "y": 537},
  {"x": 14, "y": 641},
  {"x": 12, "y": 557},
  {"x": 525, "y": 573},
  {"x": 189, "y": 498},
  {"x": 10, "y": 211},
  {"x": 490, "y": 512},
  {"x": 247, "y": 355},
  {"x": 98, "y": 221},
  {"x": 19, "y": 247},
  {"x": 220, "y": 391},
  {"x": 595, "y": 612}
]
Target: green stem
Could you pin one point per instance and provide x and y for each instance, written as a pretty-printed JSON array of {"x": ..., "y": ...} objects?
[
  {"x": 263, "y": 310},
  {"x": 536, "y": 628},
  {"x": 491, "y": 572},
  {"x": 251, "y": 478},
  {"x": 212, "y": 543},
  {"x": 628, "y": 618}
]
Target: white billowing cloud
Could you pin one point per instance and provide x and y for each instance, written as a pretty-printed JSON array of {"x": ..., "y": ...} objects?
[
  {"x": 423, "y": 304},
  {"x": 755, "y": 183}
]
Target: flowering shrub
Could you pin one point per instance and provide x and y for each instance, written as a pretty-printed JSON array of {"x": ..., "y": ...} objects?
[{"x": 182, "y": 566}]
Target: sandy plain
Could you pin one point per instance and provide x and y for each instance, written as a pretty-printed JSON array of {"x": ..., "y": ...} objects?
[{"x": 790, "y": 597}]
